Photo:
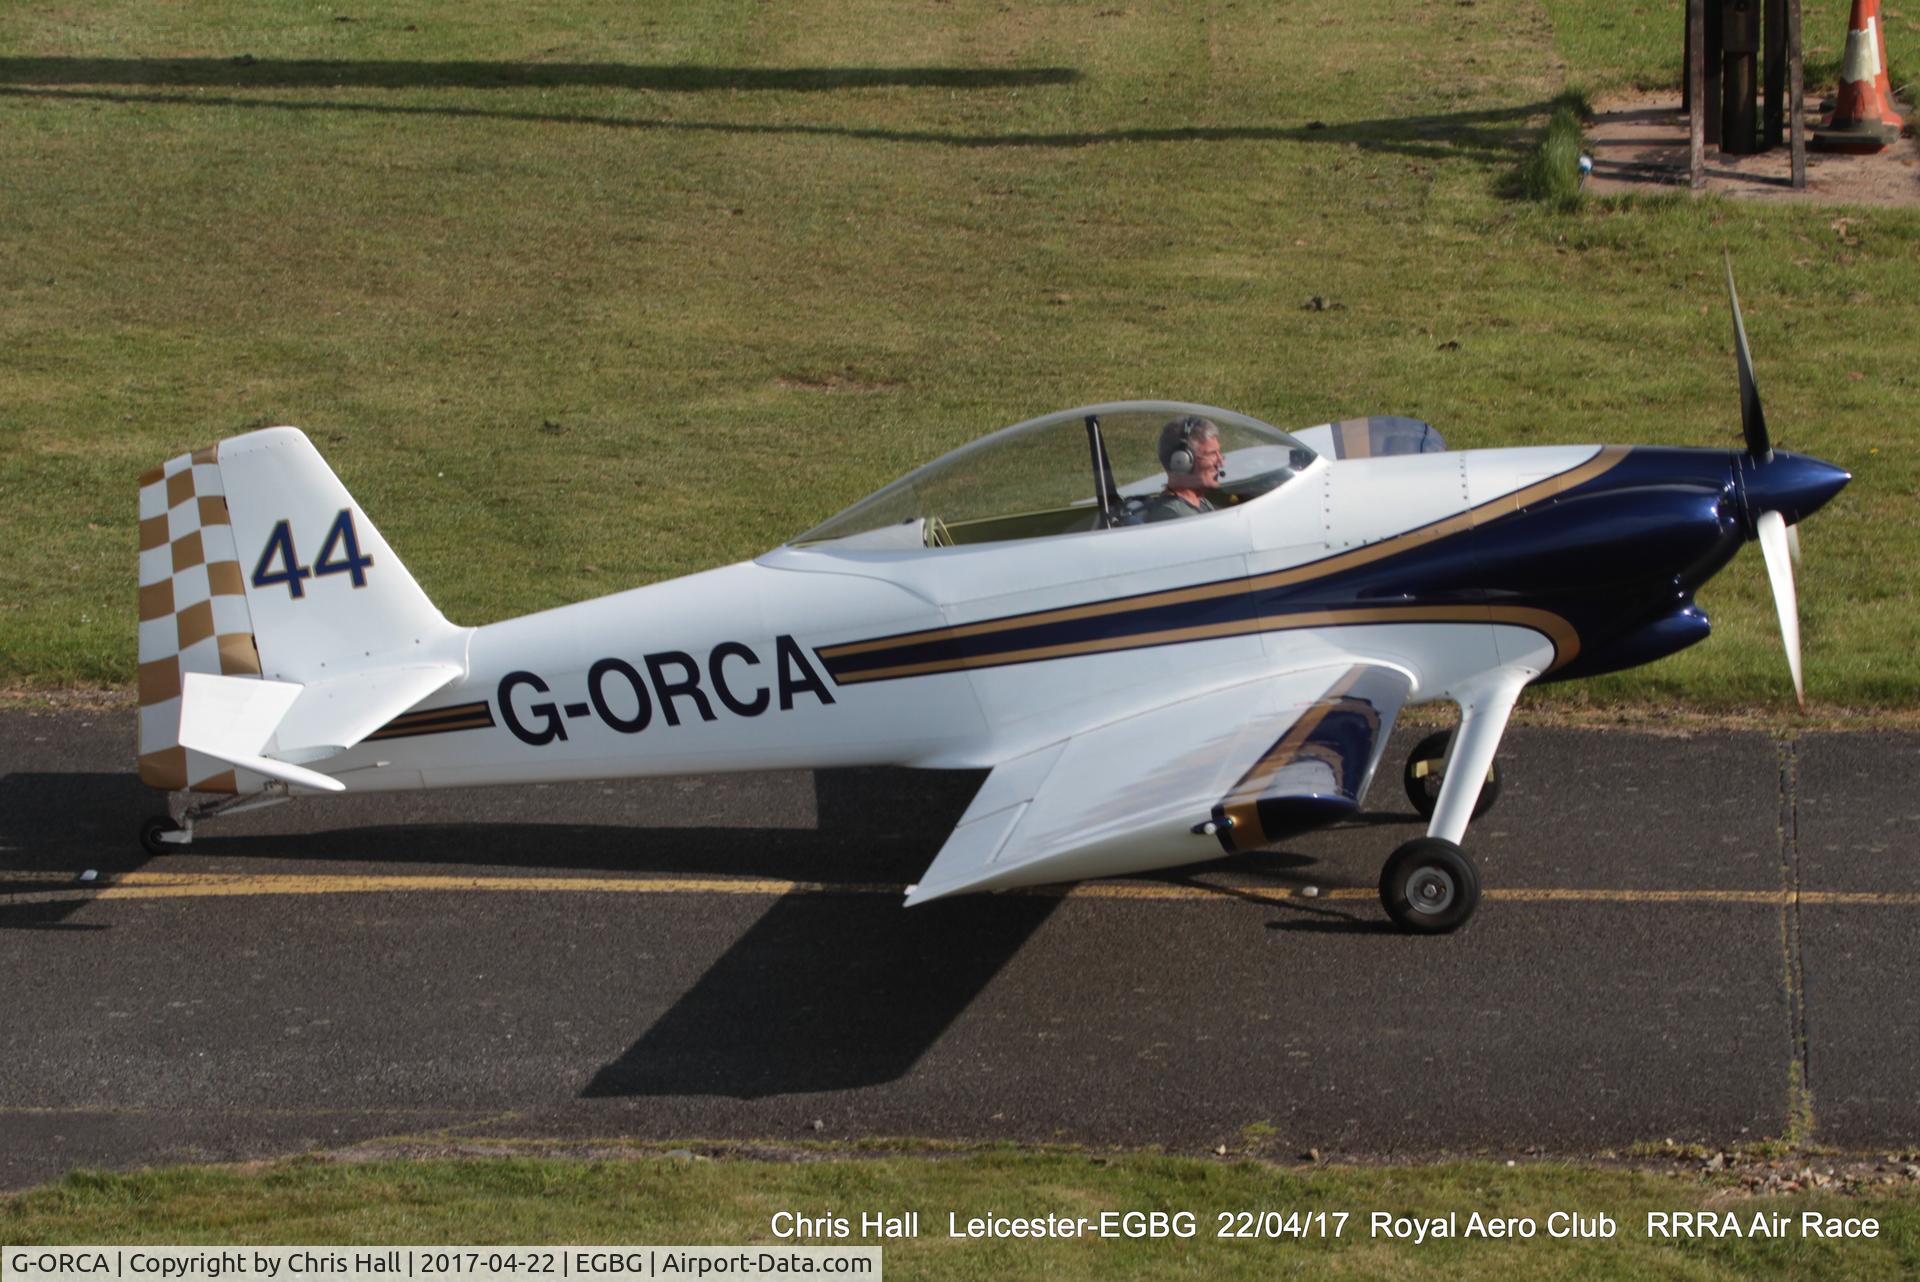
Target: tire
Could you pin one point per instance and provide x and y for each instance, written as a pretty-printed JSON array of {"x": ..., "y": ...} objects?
[
  {"x": 150, "y": 830},
  {"x": 1429, "y": 887},
  {"x": 1423, "y": 788}
]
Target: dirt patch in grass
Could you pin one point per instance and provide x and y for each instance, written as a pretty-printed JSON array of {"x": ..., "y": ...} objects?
[
  {"x": 78, "y": 699},
  {"x": 839, "y": 381},
  {"x": 1639, "y": 147}
]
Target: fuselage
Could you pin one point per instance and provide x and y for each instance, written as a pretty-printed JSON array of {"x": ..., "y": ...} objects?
[{"x": 1562, "y": 561}]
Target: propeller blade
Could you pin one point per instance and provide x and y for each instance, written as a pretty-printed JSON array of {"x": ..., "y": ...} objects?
[
  {"x": 1773, "y": 546},
  {"x": 1753, "y": 420},
  {"x": 1793, "y": 542}
]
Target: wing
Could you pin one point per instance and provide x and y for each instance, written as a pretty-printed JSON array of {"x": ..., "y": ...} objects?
[{"x": 1233, "y": 769}]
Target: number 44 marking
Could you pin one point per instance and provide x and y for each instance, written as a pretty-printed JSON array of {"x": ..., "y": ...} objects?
[{"x": 339, "y": 554}]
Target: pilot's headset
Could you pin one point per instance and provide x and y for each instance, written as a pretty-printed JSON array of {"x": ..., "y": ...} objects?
[{"x": 1176, "y": 445}]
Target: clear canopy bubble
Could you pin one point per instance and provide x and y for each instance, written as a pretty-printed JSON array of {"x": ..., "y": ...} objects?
[{"x": 1097, "y": 467}]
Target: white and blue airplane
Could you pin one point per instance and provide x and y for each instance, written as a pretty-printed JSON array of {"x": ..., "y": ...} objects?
[{"x": 1168, "y": 631}]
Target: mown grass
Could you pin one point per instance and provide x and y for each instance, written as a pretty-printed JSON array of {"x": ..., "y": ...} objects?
[
  {"x": 727, "y": 1202},
  {"x": 1637, "y": 44},
  {"x": 587, "y": 296}
]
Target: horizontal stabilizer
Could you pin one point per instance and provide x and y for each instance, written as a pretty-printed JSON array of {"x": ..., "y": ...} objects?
[
  {"x": 232, "y": 719},
  {"x": 274, "y": 728},
  {"x": 331, "y": 716}
]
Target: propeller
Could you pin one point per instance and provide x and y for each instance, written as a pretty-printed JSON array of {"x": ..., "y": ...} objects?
[
  {"x": 1753, "y": 420},
  {"x": 1774, "y": 533},
  {"x": 1779, "y": 542}
]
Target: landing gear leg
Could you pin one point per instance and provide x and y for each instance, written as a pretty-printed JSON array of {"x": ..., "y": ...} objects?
[
  {"x": 1426, "y": 770},
  {"x": 1484, "y": 709},
  {"x": 1429, "y": 886},
  {"x": 163, "y": 835}
]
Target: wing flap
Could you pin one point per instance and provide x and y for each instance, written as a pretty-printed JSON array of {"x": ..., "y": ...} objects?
[{"x": 1128, "y": 796}]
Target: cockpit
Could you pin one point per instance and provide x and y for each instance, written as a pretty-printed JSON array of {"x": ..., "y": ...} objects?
[{"x": 1099, "y": 467}]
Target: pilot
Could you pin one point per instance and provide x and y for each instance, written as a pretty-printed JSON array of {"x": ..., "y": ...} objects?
[{"x": 1190, "y": 451}]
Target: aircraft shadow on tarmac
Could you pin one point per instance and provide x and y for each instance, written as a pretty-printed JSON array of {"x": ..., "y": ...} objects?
[
  {"x": 822, "y": 992},
  {"x": 59, "y": 823}
]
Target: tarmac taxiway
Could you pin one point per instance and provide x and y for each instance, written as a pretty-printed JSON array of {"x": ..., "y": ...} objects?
[{"x": 1708, "y": 938}]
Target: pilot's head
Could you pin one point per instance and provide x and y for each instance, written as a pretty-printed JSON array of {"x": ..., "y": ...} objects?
[{"x": 1190, "y": 451}]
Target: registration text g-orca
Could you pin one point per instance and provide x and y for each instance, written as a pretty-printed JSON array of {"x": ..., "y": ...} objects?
[{"x": 624, "y": 694}]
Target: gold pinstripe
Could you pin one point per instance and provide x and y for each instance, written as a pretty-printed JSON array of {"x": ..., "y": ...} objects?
[
  {"x": 1605, "y": 460},
  {"x": 456, "y": 716},
  {"x": 1566, "y": 641},
  {"x": 478, "y": 707},
  {"x": 482, "y": 722}
]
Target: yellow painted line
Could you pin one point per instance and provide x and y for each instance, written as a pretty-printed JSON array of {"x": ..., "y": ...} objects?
[
  {"x": 1512, "y": 894},
  {"x": 44, "y": 887},
  {"x": 161, "y": 885}
]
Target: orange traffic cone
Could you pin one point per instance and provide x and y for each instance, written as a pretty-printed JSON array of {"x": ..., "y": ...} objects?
[{"x": 1863, "y": 119}]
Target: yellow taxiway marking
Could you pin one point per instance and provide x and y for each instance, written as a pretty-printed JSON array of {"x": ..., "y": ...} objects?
[{"x": 48, "y": 887}]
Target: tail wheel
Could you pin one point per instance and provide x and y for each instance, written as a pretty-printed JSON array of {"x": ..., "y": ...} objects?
[
  {"x": 1429, "y": 887},
  {"x": 152, "y": 831},
  {"x": 1426, "y": 768}
]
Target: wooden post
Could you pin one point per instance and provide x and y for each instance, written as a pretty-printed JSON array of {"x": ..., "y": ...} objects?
[
  {"x": 1796, "y": 95},
  {"x": 1773, "y": 116},
  {"x": 1713, "y": 50},
  {"x": 1740, "y": 37},
  {"x": 1697, "y": 94},
  {"x": 1686, "y": 59}
]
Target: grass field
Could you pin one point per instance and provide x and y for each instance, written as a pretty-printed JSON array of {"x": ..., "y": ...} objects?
[
  {"x": 673, "y": 1201},
  {"x": 580, "y": 296}
]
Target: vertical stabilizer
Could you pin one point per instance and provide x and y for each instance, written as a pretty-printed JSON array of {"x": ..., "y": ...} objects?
[{"x": 256, "y": 562}]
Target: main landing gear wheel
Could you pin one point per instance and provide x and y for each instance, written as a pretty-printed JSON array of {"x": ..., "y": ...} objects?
[
  {"x": 1426, "y": 768},
  {"x": 1429, "y": 886},
  {"x": 150, "y": 835}
]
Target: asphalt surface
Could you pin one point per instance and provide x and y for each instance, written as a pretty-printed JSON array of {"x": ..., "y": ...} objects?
[{"x": 1707, "y": 938}]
